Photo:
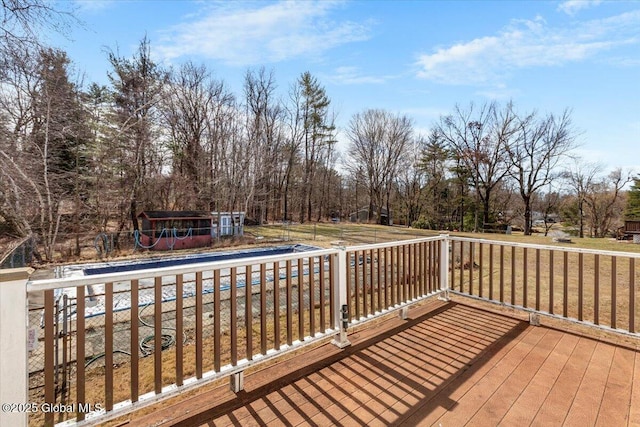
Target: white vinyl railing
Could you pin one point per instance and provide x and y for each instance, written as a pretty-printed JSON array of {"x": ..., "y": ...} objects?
[{"x": 102, "y": 345}]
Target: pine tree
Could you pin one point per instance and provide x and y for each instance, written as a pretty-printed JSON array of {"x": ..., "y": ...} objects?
[{"x": 632, "y": 210}]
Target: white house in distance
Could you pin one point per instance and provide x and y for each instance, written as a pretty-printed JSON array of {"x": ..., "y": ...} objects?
[{"x": 229, "y": 224}]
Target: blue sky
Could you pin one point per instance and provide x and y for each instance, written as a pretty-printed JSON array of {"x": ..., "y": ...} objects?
[{"x": 418, "y": 58}]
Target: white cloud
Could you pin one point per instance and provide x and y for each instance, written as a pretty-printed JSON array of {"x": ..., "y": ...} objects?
[
  {"x": 571, "y": 7},
  {"x": 525, "y": 44},
  {"x": 238, "y": 33}
]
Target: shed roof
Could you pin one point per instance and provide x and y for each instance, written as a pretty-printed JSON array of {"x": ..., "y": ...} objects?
[{"x": 174, "y": 215}]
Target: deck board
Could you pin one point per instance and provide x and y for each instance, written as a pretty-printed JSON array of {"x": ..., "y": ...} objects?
[{"x": 448, "y": 364}]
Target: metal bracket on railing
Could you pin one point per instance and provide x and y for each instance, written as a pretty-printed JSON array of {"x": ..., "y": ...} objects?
[
  {"x": 341, "y": 340},
  {"x": 236, "y": 382}
]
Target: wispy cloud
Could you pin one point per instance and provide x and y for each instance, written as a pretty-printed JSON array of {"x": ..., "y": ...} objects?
[
  {"x": 92, "y": 6},
  {"x": 352, "y": 75},
  {"x": 239, "y": 33},
  {"x": 571, "y": 7},
  {"x": 526, "y": 44}
]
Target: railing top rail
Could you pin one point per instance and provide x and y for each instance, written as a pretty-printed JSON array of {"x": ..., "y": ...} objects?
[
  {"x": 546, "y": 247},
  {"x": 66, "y": 282},
  {"x": 394, "y": 243}
]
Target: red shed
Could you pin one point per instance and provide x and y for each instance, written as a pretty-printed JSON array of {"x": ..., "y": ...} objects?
[{"x": 168, "y": 230}]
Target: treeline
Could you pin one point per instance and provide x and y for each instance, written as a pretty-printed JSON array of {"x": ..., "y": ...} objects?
[{"x": 78, "y": 158}]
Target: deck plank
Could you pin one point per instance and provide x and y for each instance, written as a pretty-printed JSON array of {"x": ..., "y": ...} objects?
[
  {"x": 531, "y": 400},
  {"x": 588, "y": 398},
  {"x": 448, "y": 364},
  {"x": 618, "y": 389}
]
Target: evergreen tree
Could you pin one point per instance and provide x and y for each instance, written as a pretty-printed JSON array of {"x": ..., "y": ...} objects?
[
  {"x": 632, "y": 210},
  {"x": 318, "y": 136}
]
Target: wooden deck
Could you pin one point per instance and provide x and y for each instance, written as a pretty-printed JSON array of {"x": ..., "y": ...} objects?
[{"x": 449, "y": 364}]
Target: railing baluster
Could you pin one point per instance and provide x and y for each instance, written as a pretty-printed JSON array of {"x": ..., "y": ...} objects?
[
  {"x": 300, "y": 299},
  {"x": 632, "y": 295},
  {"x": 179, "y": 330},
  {"x": 452, "y": 264},
  {"x": 365, "y": 283},
  {"x": 289, "y": 285},
  {"x": 134, "y": 341},
  {"x": 80, "y": 353},
  {"x": 199, "y": 313},
  {"x": 157, "y": 338},
  {"x": 108, "y": 346},
  {"x": 356, "y": 282},
  {"x": 312, "y": 297},
  {"x": 392, "y": 275},
  {"x": 513, "y": 275},
  {"x": 233, "y": 283},
  {"x": 538, "y": 279},
  {"x": 596, "y": 289},
  {"x": 263, "y": 308},
  {"x": 322, "y": 295},
  {"x": 461, "y": 266},
  {"x": 614, "y": 303},
  {"x": 379, "y": 280},
  {"x": 490, "y": 270},
  {"x": 580, "y": 286},
  {"x": 525, "y": 291},
  {"x": 405, "y": 273},
  {"x": 248, "y": 310},
  {"x": 429, "y": 266},
  {"x": 551, "y": 277},
  {"x": 217, "y": 347},
  {"x": 276, "y": 305},
  {"x": 472, "y": 263},
  {"x": 49, "y": 346},
  {"x": 501, "y": 273},
  {"x": 480, "y": 263},
  {"x": 386, "y": 278},
  {"x": 565, "y": 301},
  {"x": 332, "y": 281}
]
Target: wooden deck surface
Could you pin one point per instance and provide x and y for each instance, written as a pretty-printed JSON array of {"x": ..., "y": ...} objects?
[{"x": 449, "y": 364}]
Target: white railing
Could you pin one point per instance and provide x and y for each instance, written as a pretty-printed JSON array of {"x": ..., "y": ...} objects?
[{"x": 216, "y": 319}]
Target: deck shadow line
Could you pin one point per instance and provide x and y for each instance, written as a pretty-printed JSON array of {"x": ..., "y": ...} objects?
[{"x": 203, "y": 415}]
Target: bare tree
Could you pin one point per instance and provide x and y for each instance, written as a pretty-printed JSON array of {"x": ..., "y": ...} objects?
[
  {"x": 188, "y": 107},
  {"x": 378, "y": 139},
  {"x": 536, "y": 154},
  {"x": 603, "y": 202},
  {"x": 580, "y": 177},
  {"x": 264, "y": 130},
  {"x": 22, "y": 22},
  {"x": 478, "y": 137}
]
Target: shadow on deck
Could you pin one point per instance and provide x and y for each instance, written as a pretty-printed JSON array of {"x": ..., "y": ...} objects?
[{"x": 448, "y": 364}]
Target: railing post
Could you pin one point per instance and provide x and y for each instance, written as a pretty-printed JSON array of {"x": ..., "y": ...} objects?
[
  {"x": 14, "y": 315},
  {"x": 341, "y": 305},
  {"x": 444, "y": 267}
]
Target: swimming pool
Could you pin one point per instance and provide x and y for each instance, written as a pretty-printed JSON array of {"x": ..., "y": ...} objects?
[
  {"x": 95, "y": 293},
  {"x": 121, "y": 266}
]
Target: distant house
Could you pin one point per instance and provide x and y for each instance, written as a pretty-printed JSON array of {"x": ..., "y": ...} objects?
[{"x": 362, "y": 215}]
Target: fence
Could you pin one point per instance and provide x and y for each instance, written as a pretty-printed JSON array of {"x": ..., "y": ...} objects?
[
  {"x": 159, "y": 332},
  {"x": 21, "y": 255}
]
